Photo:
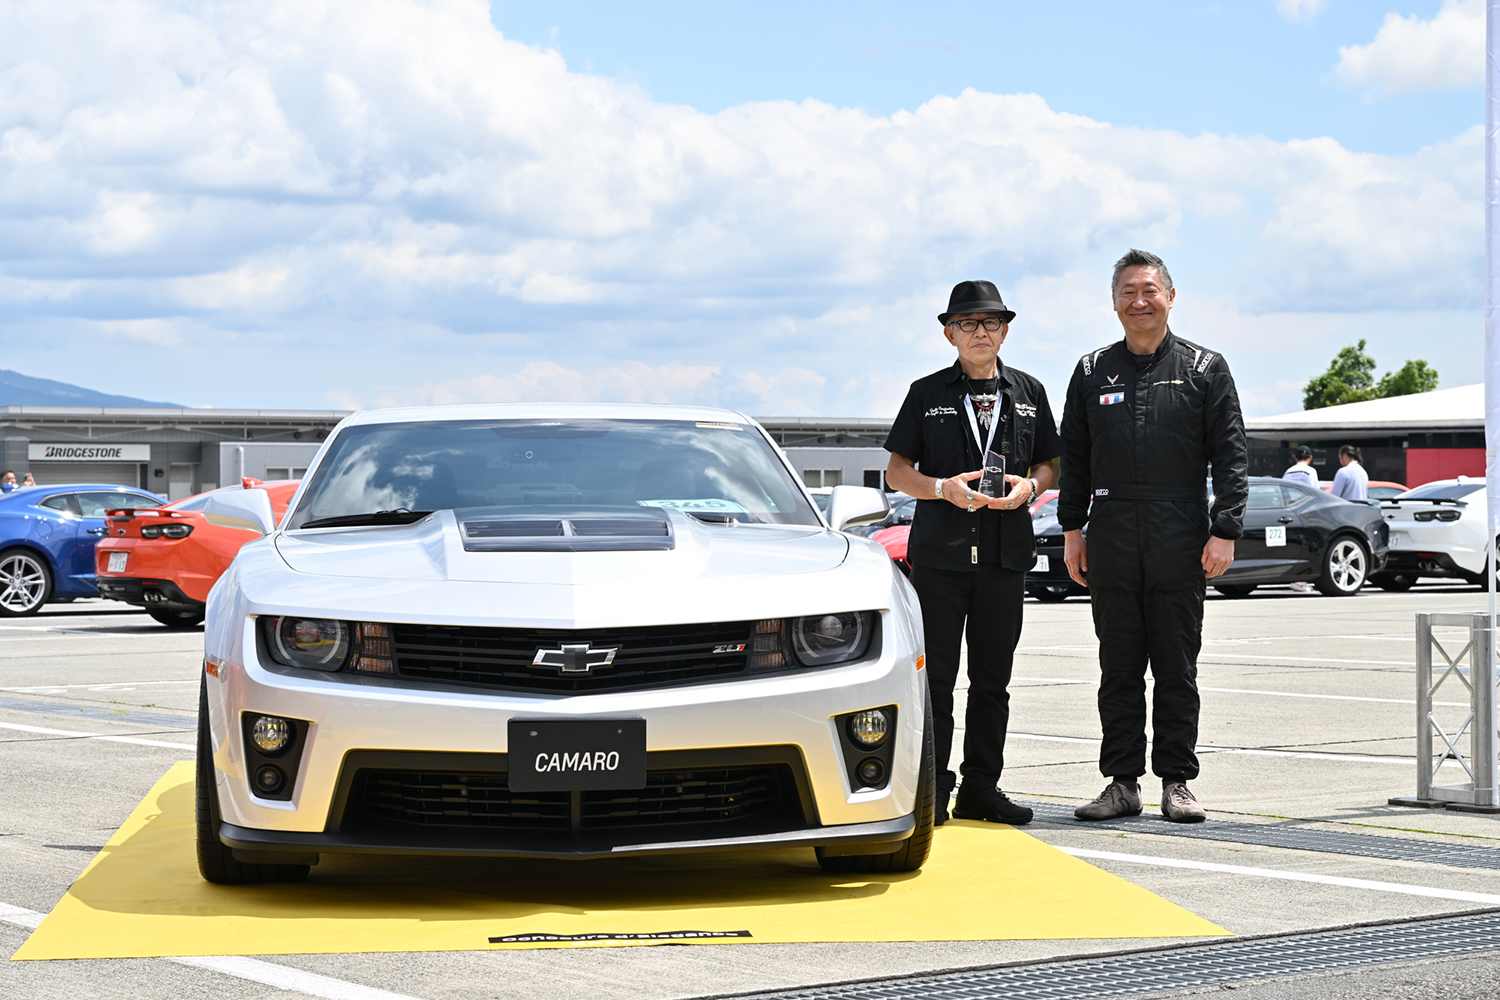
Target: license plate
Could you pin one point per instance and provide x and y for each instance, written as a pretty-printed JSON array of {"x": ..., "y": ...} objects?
[
  {"x": 117, "y": 561},
  {"x": 576, "y": 755},
  {"x": 1043, "y": 565},
  {"x": 1275, "y": 537}
]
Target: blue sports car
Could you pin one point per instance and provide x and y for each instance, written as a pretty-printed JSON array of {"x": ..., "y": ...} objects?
[{"x": 47, "y": 538}]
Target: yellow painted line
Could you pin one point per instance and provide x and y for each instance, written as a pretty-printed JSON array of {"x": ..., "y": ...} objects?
[{"x": 141, "y": 896}]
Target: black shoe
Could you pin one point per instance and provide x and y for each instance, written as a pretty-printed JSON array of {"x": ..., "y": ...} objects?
[
  {"x": 940, "y": 807},
  {"x": 991, "y": 805}
]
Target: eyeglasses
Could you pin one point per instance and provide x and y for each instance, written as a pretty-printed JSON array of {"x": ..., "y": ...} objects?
[{"x": 970, "y": 325}]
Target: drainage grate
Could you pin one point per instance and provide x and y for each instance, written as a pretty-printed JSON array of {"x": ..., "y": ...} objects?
[
  {"x": 1194, "y": 966},
  {"x": 1362, "y": 845}
]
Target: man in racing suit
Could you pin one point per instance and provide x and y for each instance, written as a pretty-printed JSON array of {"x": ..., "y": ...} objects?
[{"x": 1145, "y": 419}]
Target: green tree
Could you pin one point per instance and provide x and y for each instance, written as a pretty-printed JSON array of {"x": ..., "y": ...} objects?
[{"x": 1350, "y": 378}]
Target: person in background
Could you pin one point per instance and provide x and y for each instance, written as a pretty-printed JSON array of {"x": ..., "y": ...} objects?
[
  {"x": 1302, "y": 471},
  {"x": 8, "y": 481},
  {"x": 1351, "y": 482}
]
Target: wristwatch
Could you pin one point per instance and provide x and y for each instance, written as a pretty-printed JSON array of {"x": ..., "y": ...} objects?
[{"x": 937, "y": 487}]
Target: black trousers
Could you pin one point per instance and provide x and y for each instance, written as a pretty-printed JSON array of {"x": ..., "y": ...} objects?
[
  {"x": 986, "y": 603},
  {"x": 1146, "y": 585}
]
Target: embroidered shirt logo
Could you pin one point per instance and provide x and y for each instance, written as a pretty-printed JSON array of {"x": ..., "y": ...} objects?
[
  {"x": 1025, "y": 410},
  {"x": 1101, "y": 493},
  {"x": 941, "y": 411},
  {"x": 1113, "y": 379},
  {"x": 1110, "y": 398},
  {"x": 1203, "y": 365}
]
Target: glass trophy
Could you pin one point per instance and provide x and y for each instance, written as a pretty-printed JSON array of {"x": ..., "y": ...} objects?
[{"x": 992, "y": 479}]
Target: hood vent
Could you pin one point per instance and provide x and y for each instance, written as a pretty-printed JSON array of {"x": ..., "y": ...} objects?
[{"x": 603, "y": 531}]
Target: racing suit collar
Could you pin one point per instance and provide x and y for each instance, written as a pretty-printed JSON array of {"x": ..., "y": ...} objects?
[{"x": 1167, "y": 343}]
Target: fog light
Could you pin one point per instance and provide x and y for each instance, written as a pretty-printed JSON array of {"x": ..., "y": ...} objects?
[
  {"x": 871, "y": 771},
  {"x": 869, "y": 729},
  {"x": 271, "y": 735},
  {"x": 269, "y": 779}
]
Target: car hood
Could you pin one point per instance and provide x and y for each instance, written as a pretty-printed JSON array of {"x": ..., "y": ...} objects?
[{"x": 433, "y": 549}]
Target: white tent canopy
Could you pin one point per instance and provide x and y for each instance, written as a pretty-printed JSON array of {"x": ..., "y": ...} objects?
[{"x": 1458, "y": 409}]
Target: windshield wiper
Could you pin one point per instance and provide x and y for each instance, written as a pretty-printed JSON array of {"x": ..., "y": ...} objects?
[{"x": 398, "y": 516}]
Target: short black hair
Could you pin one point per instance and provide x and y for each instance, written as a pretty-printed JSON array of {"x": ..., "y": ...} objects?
[
  {"x": 1140, "y": 258},
  {"x": 1352, "y": 451},
  {"x": 1302, "y": 453}
]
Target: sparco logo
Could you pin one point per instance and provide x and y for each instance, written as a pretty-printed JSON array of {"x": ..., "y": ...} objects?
[
  {"x": 84, "y": 451},
  {"x": 575, "y": 658}
]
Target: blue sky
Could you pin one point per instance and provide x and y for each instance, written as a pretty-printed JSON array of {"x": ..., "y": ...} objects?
[{"x": 760, "y": 206}]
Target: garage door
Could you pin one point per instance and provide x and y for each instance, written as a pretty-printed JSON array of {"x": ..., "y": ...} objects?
[{"x": 111, "y": 473}]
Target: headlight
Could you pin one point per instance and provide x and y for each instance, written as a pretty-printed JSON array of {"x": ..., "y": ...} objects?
[
  {"x": 831, "y": 638},
  {"x": 166, "y": 531},
  {"x": 310, "y": 643}
]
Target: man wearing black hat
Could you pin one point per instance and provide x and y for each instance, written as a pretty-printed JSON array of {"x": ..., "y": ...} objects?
[{"x": 969, "y": 552}]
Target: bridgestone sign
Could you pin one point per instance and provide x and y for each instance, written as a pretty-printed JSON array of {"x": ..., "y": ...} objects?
[{"x": 89, "y": 452}]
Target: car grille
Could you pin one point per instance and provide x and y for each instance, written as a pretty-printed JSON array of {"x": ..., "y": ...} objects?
[
  {"x": 502, "y": 657},
  {"x": 722, "y": 795}
]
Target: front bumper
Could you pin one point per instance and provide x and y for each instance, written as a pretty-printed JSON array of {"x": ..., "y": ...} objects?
[{"x": 363, "y": 725}]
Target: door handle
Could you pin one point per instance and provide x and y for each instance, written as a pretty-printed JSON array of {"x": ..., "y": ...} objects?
[
  {"x": 1284, "y": 520},
  {"x": 97, "y": 531}
]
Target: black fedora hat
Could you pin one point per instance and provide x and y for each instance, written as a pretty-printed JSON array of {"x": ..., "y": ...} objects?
[{"x": 976, "y": 297}]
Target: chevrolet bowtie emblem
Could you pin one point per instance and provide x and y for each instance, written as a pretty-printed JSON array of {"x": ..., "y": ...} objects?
[{"x": 575, "y": 658}]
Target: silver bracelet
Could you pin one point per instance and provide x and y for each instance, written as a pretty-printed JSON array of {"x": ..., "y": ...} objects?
[{"x": 937, "y": 487}]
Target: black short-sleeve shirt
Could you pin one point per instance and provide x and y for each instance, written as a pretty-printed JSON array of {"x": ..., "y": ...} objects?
[{"x": 933, "y": 431}]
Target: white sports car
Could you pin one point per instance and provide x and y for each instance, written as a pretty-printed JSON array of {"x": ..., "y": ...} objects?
[
  {"x": 1437, "y": 529},
  {"x": 559, "y": 631}
]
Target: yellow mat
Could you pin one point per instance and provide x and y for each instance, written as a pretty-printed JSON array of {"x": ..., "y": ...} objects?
[{"x": 142, "y": 897}]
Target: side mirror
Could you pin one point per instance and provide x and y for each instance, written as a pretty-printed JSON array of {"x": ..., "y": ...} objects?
[
  {"x": 247, "y": 510},
  {"x": 851, "y": 505}
]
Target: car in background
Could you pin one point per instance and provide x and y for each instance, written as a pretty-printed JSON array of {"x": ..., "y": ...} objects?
[
  {"x": 1438, "y": 529},
  {"x": 903, "y": 509},
  {"x": 1047, "y": 580},
  {"x": 47, "y": 539},
  {"x": 821, "y": 496},
  {"x": 893, "y": 540},
  {"x": 1375, "y": 489},
  {"x": 1297, "y": 534},
  {"x": 1047, "y": 501},
  {"x": 167, "y": 559}
]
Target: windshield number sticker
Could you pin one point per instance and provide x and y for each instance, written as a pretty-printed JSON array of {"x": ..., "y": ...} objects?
[{"x": 1275, "y": 537}]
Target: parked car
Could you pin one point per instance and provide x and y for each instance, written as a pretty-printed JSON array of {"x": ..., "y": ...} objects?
[
  {"x": 1294, "y": 533},
  {"x": 903, "y": 509},
  {"x": 1047, "y": 580},
  {"x": 1438, "y": 529},
  {"x": 167, "y": 559},
  {"x": 47, "y": 538},
  {"x": 1376, "y": 489},
  {"x": 893, "y": 540},
  {"x": 564, "y": 631}
]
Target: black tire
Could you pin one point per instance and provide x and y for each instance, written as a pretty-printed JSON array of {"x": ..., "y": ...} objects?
[
  {"x": 914, "y": 849},
  {"x": 1049, "y": 596},
  {"x": 1396, "y": 583},
  {"x": 177, "y": 619},
  {"x": 25, "y": 582},
  {"x": 216, "y": 863},
  {"x": 1346, "y": 566},
  {"x": 1236, "y": 589}
]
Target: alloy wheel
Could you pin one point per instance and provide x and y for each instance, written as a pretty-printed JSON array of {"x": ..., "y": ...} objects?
[
  {"x": 1346, "y": 565},
  {"x": 23, "y": 583}
]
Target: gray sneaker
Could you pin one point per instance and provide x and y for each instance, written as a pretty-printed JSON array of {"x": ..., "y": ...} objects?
[
  {"x": 1115, "y": 800},
  {"x": 1178, "y": 804}
]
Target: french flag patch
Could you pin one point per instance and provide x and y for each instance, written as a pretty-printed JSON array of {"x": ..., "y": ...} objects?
[{"x": 1111, "y": 397}]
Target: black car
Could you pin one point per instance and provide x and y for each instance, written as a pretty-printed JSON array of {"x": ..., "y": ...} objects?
[
  {"x": 1294, "y": 534},
  {"x": 1048, "y": 579}
]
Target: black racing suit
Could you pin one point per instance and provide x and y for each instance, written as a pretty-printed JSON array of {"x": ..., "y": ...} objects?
[{"x": 1140, "y": 433}]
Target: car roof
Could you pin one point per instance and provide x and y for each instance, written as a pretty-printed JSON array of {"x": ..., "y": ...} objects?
[
  {"x": 39, "y": 490},
  {"x": 543, "y": 411}
]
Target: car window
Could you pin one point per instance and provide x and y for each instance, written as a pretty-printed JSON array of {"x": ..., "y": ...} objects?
[
  {"x": 1383, "y": 492},
  {"x": 60, "y": 501},
  {"x": 1264, "y": 496},
  {"x": 1443, "y": 491},
  {"x": 95, "y": 504},
  {"x": 725, "y": 470},
  {"x": 1048, "y": 509},
  {"x": 1297, "y": 494}
]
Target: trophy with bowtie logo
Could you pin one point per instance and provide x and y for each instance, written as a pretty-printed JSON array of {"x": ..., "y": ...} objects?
[{"x": 992, "y": 479}]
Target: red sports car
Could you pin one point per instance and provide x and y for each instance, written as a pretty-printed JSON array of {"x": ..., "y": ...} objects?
[{"x": 167, "y": 559}]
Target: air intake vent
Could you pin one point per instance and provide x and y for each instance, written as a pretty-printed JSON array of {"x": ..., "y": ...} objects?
[{"x": 586, "y": 531}]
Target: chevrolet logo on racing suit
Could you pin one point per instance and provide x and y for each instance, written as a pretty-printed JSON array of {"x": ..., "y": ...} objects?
[{"x": 575, "y": 658}]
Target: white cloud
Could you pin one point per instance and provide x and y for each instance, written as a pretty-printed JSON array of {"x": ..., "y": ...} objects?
[
  {"x": 1409, "y": 54},
  {"x": 1300, "y": 10},
  {"x": 388, "y": 201}
]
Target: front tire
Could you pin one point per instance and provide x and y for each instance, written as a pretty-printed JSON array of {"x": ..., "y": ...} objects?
[
  {"x": 1236, "y": 589},
  {"x": 1346, "y": 563},
  {"x": 177, "y": 619},
  {"x": 914, "y": 849},
  {"x": 216, "y": 863},
  {"x": 25, "y": 583}
]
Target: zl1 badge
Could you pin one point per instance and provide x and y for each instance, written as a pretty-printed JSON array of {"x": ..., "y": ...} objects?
[{"x": 1275, "y": 537}]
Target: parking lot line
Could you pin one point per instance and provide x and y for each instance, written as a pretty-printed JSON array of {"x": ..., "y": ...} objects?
[
  {"x": 1218, "y": 690},
  {"x": 1339, "y": 880},
  {"x": 95, "y": 736},
  {"x": 101, "y": 686},
  {"x": 1252, "y": 751},
  {"x": 252, "y": 969}
]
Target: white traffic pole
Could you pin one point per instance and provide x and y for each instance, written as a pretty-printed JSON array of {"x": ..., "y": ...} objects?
[{"x": 1491, "y": 325}]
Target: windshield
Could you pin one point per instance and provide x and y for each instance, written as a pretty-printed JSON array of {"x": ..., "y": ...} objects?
[
  {"x": 718, "y": 471},
  {"x": 1443, "y": 491}
]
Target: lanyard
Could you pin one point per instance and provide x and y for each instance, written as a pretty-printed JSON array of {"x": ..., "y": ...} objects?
[{"x": 974, "y": 423}]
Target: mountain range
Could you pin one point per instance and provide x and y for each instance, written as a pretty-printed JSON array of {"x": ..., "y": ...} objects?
[{"x": 23, "y": 390}]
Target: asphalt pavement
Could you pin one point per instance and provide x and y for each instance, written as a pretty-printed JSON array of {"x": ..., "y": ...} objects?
[{"x": 1308, "y": 728}]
